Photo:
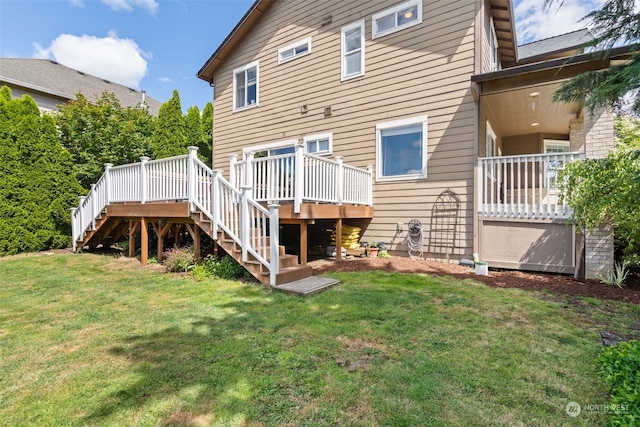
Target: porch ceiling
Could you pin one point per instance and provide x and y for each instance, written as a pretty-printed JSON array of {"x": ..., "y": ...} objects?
[{"x": 512, "y": 112}]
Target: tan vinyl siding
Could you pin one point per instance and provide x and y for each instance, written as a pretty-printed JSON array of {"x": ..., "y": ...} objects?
[{"x": 422, "y": 70}]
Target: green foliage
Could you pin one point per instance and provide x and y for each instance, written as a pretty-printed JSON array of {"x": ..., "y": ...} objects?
[
  {"x": 609, "y": 188},
  {"x": 616, "y": 22},
  {"x": 223, "y": 268},
  {"x": 169, "y": 136},
  {"x": 627, "y": 132},
  {"x": 207, "y": 129},
  {"x": 102, "y": 132},
  {"x": 383, "y": 254},
  {"x": 179, "y": 260},
  {"x": 616, "y": 276},
  {"x": 619, "y": 366},
  {"x": 37, "y": 183}
]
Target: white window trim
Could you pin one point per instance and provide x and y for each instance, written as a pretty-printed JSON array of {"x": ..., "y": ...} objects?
[
  {"x": 269, "y": 146},
  {"x": 493, "y": 65},
  {"x": 319, "y": 136},
  {"x": 306, "y": 41},
  {"x": 395, "y": 124},
  {"x": 490, "y": 133},
  {"x": 375, "y": 34},
  {"x": 563, "y": 142},
  {"x": 255, "y": 64},
  {"x": 343, "y": 65}
]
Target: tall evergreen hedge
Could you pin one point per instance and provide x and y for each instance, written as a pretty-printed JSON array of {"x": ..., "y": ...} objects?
[{"x": 37, "y": 183}]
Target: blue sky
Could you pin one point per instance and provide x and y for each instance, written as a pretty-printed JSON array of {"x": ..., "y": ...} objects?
[{"x": 159, "y": 45}]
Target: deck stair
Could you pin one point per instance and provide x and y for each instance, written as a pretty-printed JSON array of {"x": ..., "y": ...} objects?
[{"x": 240, "y": 215}]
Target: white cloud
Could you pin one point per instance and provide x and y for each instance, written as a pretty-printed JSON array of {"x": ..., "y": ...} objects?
[
  {"x": 76, "y": 3},
  {"x": 112, "y": 58},
  {"x": 533, "y": 22},
  {"x": 164, "y": 80},
  {"x": 151, "y": 6}
]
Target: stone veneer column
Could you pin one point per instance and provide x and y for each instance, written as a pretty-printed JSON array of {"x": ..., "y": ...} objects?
[{"x": 598, "y": 138}]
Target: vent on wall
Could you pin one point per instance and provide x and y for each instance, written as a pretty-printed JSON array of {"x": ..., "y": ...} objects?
[
  {"x": 328, "y": 111},
  {"x": 326, "y": 20}
]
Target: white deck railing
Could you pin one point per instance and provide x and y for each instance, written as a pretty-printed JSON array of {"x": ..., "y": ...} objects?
[
  {"x": 302, "y": 177},
  {"x": 185, "y": 178},
  {"x": 523, "y": 186}
]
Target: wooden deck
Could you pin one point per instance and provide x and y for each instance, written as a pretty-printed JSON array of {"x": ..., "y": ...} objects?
[{"x": 171, "y": 218}]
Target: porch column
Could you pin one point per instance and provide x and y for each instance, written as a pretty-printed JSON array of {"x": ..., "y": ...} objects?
[{"x": 598, "y": 134}]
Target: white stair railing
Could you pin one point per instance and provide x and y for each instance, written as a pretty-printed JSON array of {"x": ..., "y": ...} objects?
[
  {"x": 523, "y": 186},
  {"x": 185, "y": 178}
]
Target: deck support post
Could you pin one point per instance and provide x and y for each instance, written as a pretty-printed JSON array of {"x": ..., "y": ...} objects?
[
  {"x": 143, "y": 178},
  {"x": 339, "y": 239},
  {"x": 191, "y": 177},
  {"x": 144, "y": 241},
  {"x": 160, "y": 243},
  {"x": 274, "y": 243},
  {"x": 298, "y": 184},
  {"x": 194, "y": 231},
  {"x": 132, "y": 238},
  {"x": 244, "y": 222},
  {"x": 303, "y": 242},
  {"x": 340, "y": 180}
]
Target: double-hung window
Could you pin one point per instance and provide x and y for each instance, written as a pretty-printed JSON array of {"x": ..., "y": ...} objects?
[
  {"x": 245, "y": 86},
  {"x": 397, "y": 18},
  {"x": 353, "y": 50},
  {"x": 295, "y": 50},
  {"x": 318, "y": 144},
  {"x": 401, "y": 149}
]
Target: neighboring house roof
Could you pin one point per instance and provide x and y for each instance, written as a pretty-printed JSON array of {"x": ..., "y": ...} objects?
[
  {"x": 56, "y": 80},
  {"x": 555, "y": 47}
]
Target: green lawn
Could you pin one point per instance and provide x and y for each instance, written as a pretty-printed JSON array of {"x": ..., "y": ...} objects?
[{"x": 95, "y": 340}]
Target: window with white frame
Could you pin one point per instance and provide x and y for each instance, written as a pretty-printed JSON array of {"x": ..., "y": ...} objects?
[
  {"x": 490, "y": 141},
  {"x": 494, "y": 64},
  {"x": 353, "y": 50},
  {"x": 245, "y": 86},
  {"x": 401, "y": 149},
  {"x": 318, "y": 144},
  {"x": 553, "y": 165},
  {"x": 294, "y": 50},
  {"x": 397, "y": 18}
]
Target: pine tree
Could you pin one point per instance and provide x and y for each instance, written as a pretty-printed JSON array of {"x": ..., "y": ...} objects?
[
  {"x": 616, "y": 22},
  {"x": 193, "y": 128},
  {"x": 169, "y": 137},
  {"x": 207, "y": 129},
  {"x": 37, "y": 183}
]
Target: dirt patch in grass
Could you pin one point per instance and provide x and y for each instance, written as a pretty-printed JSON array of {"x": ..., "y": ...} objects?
[{"x": 554, "y": 283}]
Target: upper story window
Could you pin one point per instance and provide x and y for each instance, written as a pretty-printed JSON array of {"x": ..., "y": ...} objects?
[
  {"x": 397, "y": 18},
  {"x": 245, "y": 86},
  {"x": 319, "y": 144},
  {"x": 494, "y": 60},
  {"x": 294, "y": 50},
  {"x": 353, "y": 50},
  {"x": 401, "y": 149}
]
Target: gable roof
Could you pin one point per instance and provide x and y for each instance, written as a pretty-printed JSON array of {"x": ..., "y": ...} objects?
[
  {"x": 554, "y": 47},
  {"x": 504, "y": 23},
  {"x": 254, "y": 13},
  {"x": 57, "y": 80}
]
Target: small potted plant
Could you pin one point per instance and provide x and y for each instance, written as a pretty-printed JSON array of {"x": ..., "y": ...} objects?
[{"x": 372, "y": 249}]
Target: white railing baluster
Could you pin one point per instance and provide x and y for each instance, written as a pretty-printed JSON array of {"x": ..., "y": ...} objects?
[{"x": 522, "y": 186}]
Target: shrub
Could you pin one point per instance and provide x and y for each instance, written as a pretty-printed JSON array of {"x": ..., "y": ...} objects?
[
  {"x": 223, "y": 268},
  {"x": 179, "y": 260},
  {"x": 619, "y": 366},
  {"x": 199, "y": 273}
]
